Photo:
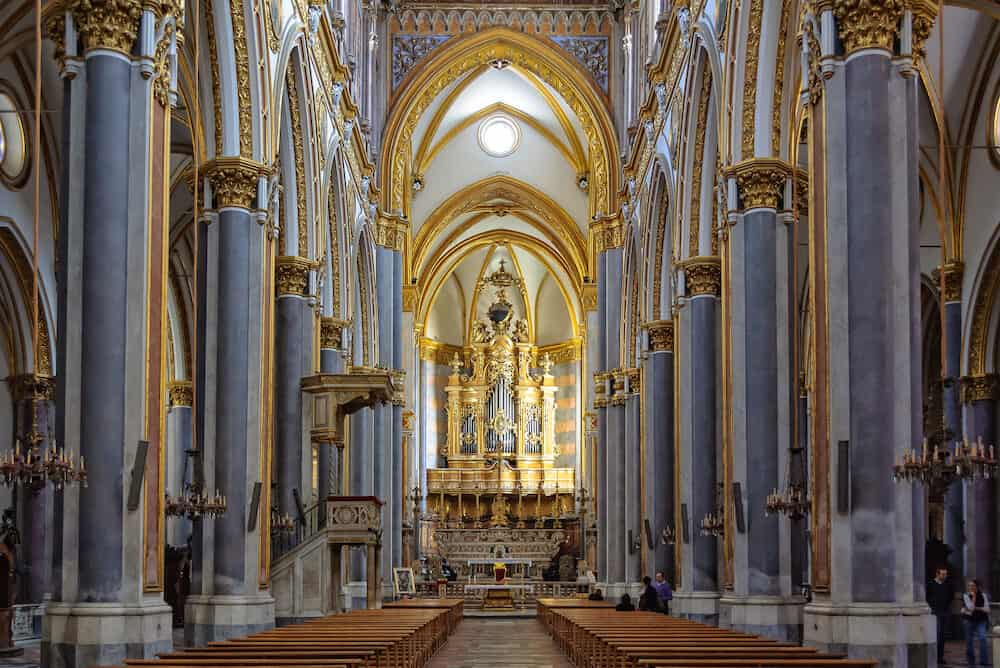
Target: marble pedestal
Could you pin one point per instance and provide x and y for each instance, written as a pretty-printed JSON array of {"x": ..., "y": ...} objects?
[
  {"x": 698, "y": 606},
  {"x": 774, "y": 617},
  {"x": 81, "y": 635},
  {"x": 210, "y": 618},
  {"x": 894, "y": 634}
]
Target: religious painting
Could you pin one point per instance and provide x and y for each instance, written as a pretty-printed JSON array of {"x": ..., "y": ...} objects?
[{"x": 403, "y": 583}]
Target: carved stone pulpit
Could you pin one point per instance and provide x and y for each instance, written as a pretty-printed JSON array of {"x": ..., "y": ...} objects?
[{"x": 355, "y": 521}]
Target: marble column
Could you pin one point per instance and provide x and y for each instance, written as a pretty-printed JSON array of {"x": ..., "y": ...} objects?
[
  {"x": 955, "y": 526},
  {"x": 180, "y": 471},
  {"x": 331, "y": 361},
  {"x": 293, "y": 359},
  {"x": 697, "y": 353},
  {"x": 234, "y": 296},
  {"x": 385, "y": 433},
  {"x": 632, "y": 471},
  {"x": 868, "y": 561},
  {"x": 762, "y": 402},
  {"x": 110, "y": 286},
  {"x": 660, "y": 470},
  {"x": 980, "y": 394}
]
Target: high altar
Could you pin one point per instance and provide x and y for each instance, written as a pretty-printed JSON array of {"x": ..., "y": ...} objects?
[{"x": 500, "y": 486}]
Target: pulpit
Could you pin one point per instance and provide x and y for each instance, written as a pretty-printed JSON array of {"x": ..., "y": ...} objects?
[{"x": 355, "y": 521}]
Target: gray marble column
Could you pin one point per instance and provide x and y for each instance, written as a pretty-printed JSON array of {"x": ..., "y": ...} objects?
[
  {"x": 632, "y": 474},
  {"x": 179, "y": 469},
  {"x": 293, "y": 359},
  {"x": 660, "y": 470},
  {"x": 397, "y": 556},
  {"x": 386, "y": 449},
  {"x": 613, "y": 421},
  {"x": 331, "y": 361},
  {"x": 869, "y": 364},
  {"x": 955, "y": 525},
  {"x": 980, "y": 394}
]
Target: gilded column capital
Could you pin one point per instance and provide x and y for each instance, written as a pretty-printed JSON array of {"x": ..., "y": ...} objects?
[
  {"x": 617, "y": 397},
  {"x": 702, "y": 275},
  {"x": 107, "y": 24},
  {"x": 234, "y": 181},
  {"x": 601, "y": 389},
  {"x": 661, "y": 335},
  {"x": 924, "y": 15},
  {"x": 867, "y": 24},
  {"x": 589, "y": 297},
  {"x": 330, "y": 332},
  {"x": 980, "y": 388},
  {"x": 32, "y": 387},
  {"x": 181, "y": 393},
  {"x": 607, "y": 233},
  {"x": 952, "y": 273},
  {"x": 760, "y": 182},
  {"x": 291, "y": 274},
  {"x": 410, "y": 295},
  {"x": 391, "y": 232}
]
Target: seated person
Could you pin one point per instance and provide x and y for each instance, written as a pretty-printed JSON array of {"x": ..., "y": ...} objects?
[
  {"x": 447, "y": 571},
  {"x": 596, "y": 595},
  {"x": 626, "y": 604},
  {"x": 650, "y": 599}
]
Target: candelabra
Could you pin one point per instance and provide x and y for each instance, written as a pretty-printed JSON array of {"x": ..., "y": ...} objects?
[
  {"x": 941, "y": 466},
  {"x": 791, "y": 501},
  {"x": 195, "y": 504},
  {"x": 714, "y": 523},
  {"x": 669, "y": 535},
  {"x": 281, "y": 523},
  {"x": 33, "y": 468}
]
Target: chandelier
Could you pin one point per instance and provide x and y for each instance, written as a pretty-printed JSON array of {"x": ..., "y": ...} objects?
[
  {"x": 791, "y": 501},
  {"x": 281, "y": 523},
  {"x": 941, "y": 466},
  {"x": 714, "y": 523},
  {"x": 33, "y": 468},
  {"x": 194, "y": 503}
]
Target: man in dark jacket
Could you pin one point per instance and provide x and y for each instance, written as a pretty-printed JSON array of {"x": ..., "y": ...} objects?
[{"x": 940, "y": 594}]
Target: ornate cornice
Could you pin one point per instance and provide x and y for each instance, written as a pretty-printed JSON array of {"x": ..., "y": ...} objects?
[
  {"x": 437, "y": 352},
  {"x": 867, "y": 24},
  {"x": 661, "y": 335},
  {"x": 32, "y": 387},
  {"x": 234, "y": 181},
  {"x": 291, "y": 274},
  {"x": 181, "y": 393},
  {"x": 391, "y": 232},
  {"x": 703, "y": 275},
  {"x": 111, "y": 24},
  {"x": 561, "y": 353},
  {"x": 760, "y": 182},
  {"x": 331, "y": 332},
  {"x": 980, "y": 388},
  {"x": 952, "y": 273},
  {"x": 607, "y": 233},
  {"x": 625, "y": 383}
]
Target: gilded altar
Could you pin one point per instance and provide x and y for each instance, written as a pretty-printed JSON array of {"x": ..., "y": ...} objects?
[{"x": 501, "y": 408}]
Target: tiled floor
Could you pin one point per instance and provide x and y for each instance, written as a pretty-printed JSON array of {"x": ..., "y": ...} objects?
[{"x": 496, "y": 643}]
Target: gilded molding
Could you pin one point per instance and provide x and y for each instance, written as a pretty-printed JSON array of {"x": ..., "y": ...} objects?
[
  {"x": 750, "y": 76},
  {"x": 242, "y": 77},
  {"x": 589, "y": 297},
  {"x": 779, "y": 78},
  {"x": 213, "y": 57},
  {"x": 661, "y": 228},
  {"x": 562, "y": 353},
  {"x": 924, "y": 15},
  {"x": 301, "y": 217},
  {"x": 661, "y": 335},
  {"x": 391, "y": 232},
  {"x": 980, "y": 388},
  {"x": 331, "y": 332},
  {"x": 703, "y": 275},
  {"x": 181, "y": 393},
  {"x": 760, "y": 181},
  {"x": 699, "y": 160},
  {"x": 607, "y": 233},
  {"x": 32, "y": 387},
  {"x": 867, "y": 24},
  {"x": 291, "y": 274},
  {"x": 953, "y": 273},
  {"x": 981, "y": 310},
  {"x": 234, "y": 181},
  {"x": 600, "y": 389},
  {"x": 110, "y": 24},
  {"x": 410, "y": 300},
  {"x": 439, "y": 353}
]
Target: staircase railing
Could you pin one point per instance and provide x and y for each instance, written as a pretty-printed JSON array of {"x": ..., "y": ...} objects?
[{"x": 283, "y": 542}]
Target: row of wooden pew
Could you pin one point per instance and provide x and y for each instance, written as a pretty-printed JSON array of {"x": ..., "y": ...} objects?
[
  {"x": 596, "y": 636},
  {"x": 404, "y": 634}
]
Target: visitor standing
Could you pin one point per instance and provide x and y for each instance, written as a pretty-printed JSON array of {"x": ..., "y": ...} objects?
[
  {"x": 976, "y": 613},
  {"x": 940, "y": 593},
  {"x": 665, "y": 592}
]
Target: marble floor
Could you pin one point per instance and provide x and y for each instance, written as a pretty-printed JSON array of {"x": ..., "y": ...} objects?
[{"x": 492, "y": 643}]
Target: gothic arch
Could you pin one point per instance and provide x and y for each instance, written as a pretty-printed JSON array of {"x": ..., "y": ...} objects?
[{"x": 981, "y": 326}]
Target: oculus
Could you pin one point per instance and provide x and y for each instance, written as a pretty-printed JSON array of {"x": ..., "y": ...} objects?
[
  {"x": 499, "y": 136},
  {"x": 13, "y": 143}
]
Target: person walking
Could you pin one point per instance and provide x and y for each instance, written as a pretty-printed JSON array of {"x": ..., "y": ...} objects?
[
  {"x": 976, "y": 613},
  {"x": 662, "y": 588},
  {"x": 650, "y": 599},
  {"x": 940, "y": 594}
]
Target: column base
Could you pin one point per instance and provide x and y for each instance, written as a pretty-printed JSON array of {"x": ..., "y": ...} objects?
[
  {"x": 996, "y": 646},
  {"x": 772, "y": 617},
  {"x": 82, "y": 635},
  {"x": 894, "y": 634},
  {"x": 698, "y": 606},
  {"x": 211, "y": 618}
]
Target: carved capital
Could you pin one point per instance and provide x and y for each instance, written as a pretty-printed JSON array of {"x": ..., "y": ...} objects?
[
  {"x": 589, "y": 297},
  {"x": 330, "y": 332},
  {"x": 600, "y": 389},
  {"x": 980, "y": 388},
  {"x": 291, "y": 274},
  {"x": 607, "y": 233},
  {"x": 760, "y": 182},
  {"x": 703, "y": 276},
  {"x": 391, "y": 232},
  {"x": 32, "y": 387},
  {"x": 924, "y": 15},
  {"x": 181, "y": 393},
  {"x": 867, "y": 24},
  {"x": 661, "y": 335},
  {"x": 107, "y": 24},
  {"x": 234, "y": 181},
  {"x": 952, "y": 273}
]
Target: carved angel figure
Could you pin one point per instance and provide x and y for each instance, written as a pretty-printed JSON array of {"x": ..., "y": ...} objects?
[{"x": 481, "y": 331}]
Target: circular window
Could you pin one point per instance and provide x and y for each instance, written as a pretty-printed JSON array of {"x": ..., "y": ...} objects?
[
  {"x": 499, "y": 136},
  {"x": 13, "y": 143}
]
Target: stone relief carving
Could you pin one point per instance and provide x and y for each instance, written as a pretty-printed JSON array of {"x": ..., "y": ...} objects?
[
  {"x": 408, "y": 50},
  {"x": 591, "y": 52}
]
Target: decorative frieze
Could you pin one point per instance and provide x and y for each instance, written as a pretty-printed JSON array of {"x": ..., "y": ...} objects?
[
  {"x": 625, "y": 383},
  {"x": 331, "y": 333},
  {"x": 111, "y": 24},
  {"x": 437, "y": 352},
  {"x": 181, "y": 393},
  {"x": 391, "y": 233},
  {"x": 234, "y": 181},
  {"x": 760, "y": 182},
  {"x": 291, "y": 275},
  {"x": 951, "y": 285},
  {"x": 591, "y": 52},
  {"x": 661, "y": 335},
  {"x": 409, "y": 50},
  {"x": 867, "y": 24},
  {"x": 561, "y": 353},
  {"x": 607, "y": 233},
  {"x": 703, "y": 276},
  {"x": 980, "y": 388}
]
